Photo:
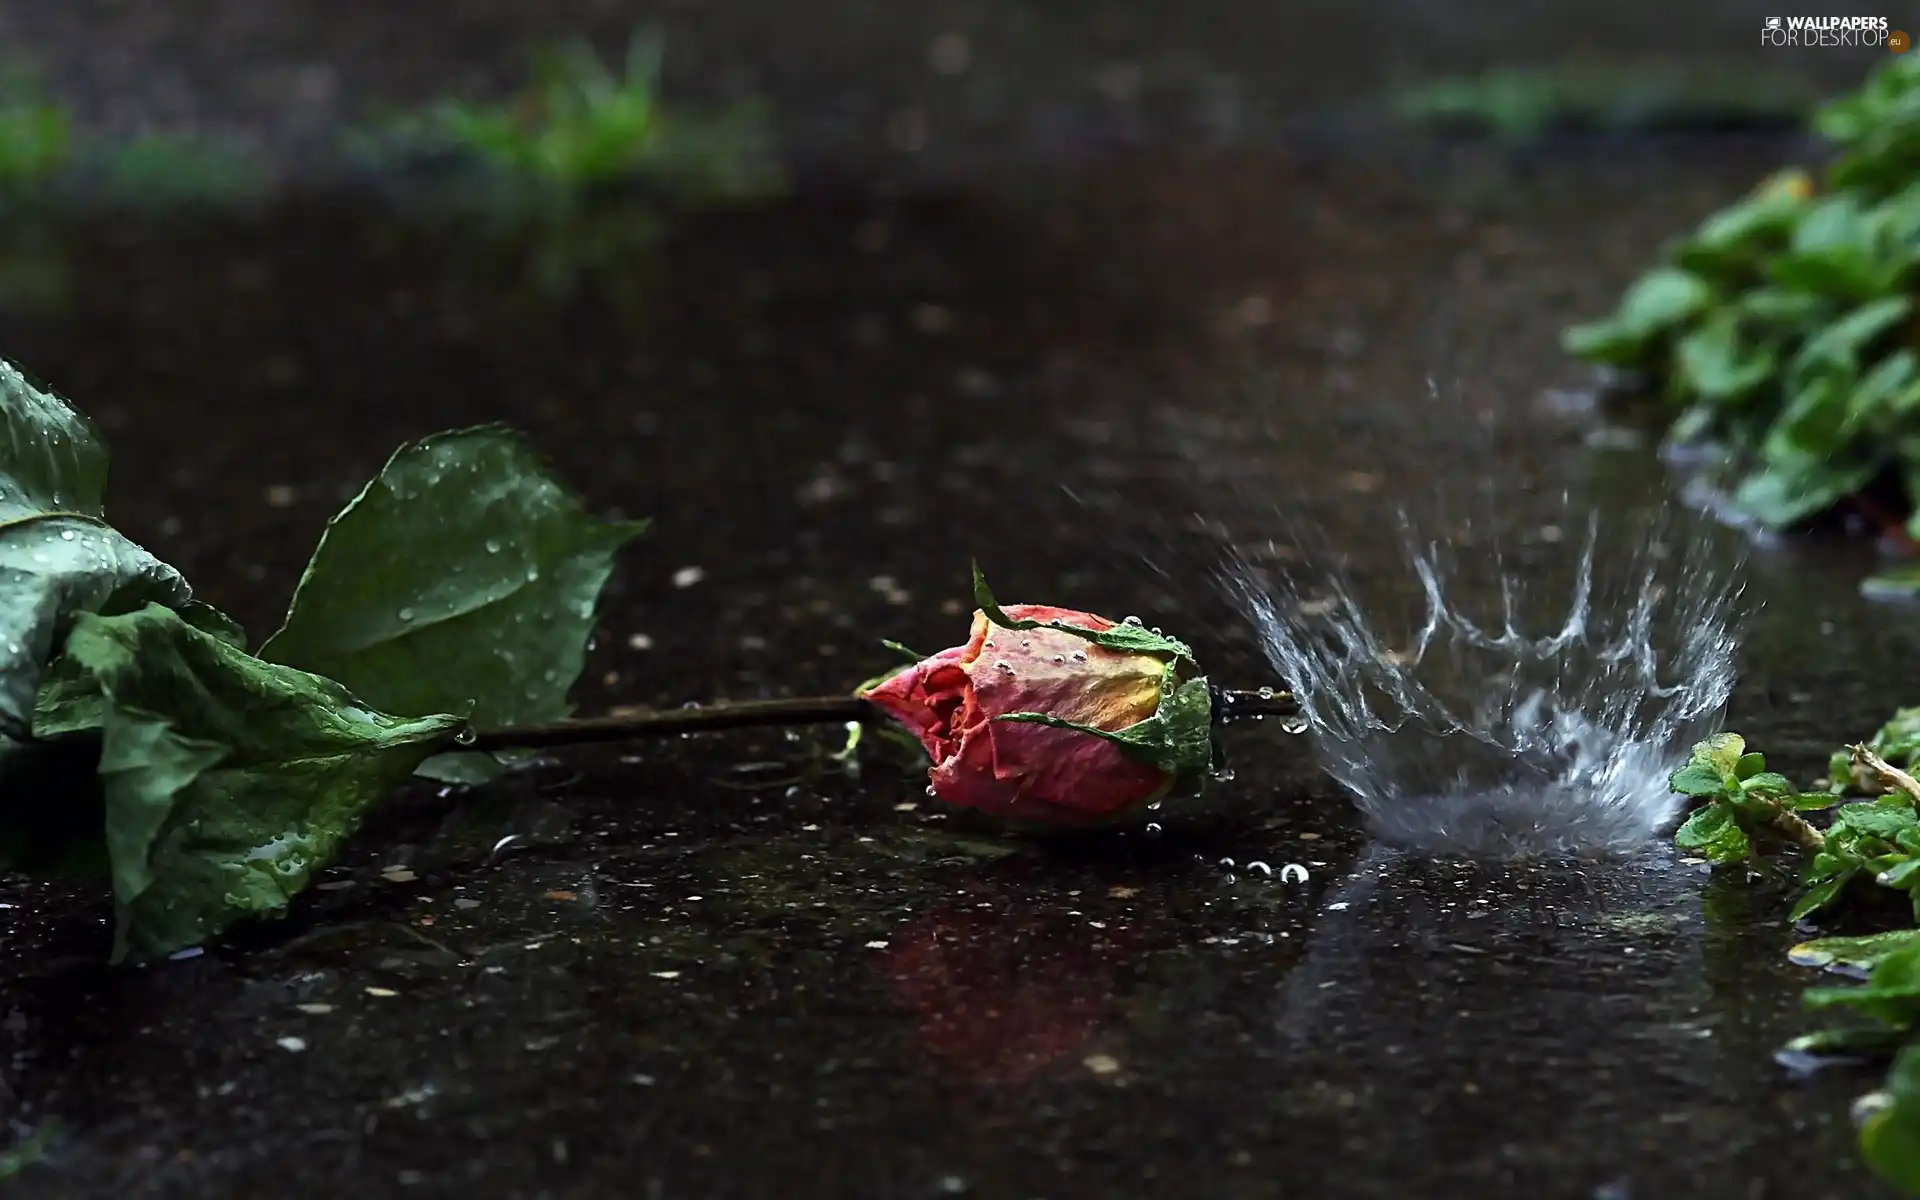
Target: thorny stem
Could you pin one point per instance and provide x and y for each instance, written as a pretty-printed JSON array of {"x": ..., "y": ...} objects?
[{"x": 1229, "y": 706}]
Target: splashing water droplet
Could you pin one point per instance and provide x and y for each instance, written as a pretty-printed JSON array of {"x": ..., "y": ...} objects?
[
  {"x": 1293, "y": 873},
  {"x": 1472, "y": 737}
]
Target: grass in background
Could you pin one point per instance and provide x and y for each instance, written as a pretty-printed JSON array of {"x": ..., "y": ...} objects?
[
  {"x": 579, "y": 127},
  {"x": 1520, "y": 105}
]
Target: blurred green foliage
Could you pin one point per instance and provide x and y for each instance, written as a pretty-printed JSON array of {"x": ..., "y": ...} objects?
[
  {"x": 1521, "y": 105},
  {"x": 1782, "y": 330},
  {"x": 579, "y": 126}
]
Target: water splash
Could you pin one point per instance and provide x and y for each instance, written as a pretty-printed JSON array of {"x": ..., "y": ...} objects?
[{"x": 1483, "y": 739}]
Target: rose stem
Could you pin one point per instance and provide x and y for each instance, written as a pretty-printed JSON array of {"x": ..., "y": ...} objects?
[{"x": 809, "y": 710}]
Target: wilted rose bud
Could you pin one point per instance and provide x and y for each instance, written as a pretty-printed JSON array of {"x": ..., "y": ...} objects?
[{"x": 1053, "y": 717}]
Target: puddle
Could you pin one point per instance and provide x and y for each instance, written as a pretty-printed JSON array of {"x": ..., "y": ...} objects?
[{"x": 672, "y": 985}]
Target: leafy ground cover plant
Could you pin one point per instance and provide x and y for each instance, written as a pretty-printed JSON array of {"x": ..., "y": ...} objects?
[
  {"x": 1867, "y": 853},
  {"x": 1781, "y": 331},
  {"x": 138, "y": 733}
]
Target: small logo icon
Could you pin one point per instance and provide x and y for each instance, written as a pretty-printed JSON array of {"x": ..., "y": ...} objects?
[
  {"x": 1773, "y": 23},
  {"x": 1899, "y": 42}
]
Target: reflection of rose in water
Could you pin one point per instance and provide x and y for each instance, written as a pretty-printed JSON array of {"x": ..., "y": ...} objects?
[{"x": 1001, "y": 998}]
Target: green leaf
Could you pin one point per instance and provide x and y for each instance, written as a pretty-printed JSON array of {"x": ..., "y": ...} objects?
[
  {"x": 1790, "y": 490},
  {"x": 1656, "y": 304},
  {"x": 1770, "y": 784},
  {"x": 1809, "y": 801},
  {"x": 1854, "y": 1042},
  {"x": 1730, "y": 237},
  {"x": 1885, "y": 821},
  {"x": 53, "y": 459},
  {"x": 1901, "y": 875},
  {"x": 1749, "y": 765},
  {"x": 1128, "y": 637},
  {"x": 1890, "y": 1136},
  {"x": 1714, "y": 834},
  {"x": 462, "y": 579},
  {"x": 1894, "y": 583},
  {"x": 1857, "y": 953},
  {"x": 58, "y": 557},
  {"x": 1177, "y": 738},
  {"x": 1820, "y": 896},
  {"x": 228, "y": 780},
  {"x": 1713, "y": 361},
  {"x": 1697, "y": 779},
  {"x": 1891, "y": 993},
  {"x": 1710, "y": 766}
]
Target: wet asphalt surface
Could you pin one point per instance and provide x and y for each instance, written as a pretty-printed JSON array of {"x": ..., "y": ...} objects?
[{"x": 721, "y": 966}]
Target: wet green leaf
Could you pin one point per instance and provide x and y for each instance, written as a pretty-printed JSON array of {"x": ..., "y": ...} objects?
[
  {"x": 1710, "y": 768},
  {"x": 1820, "y": 896},
  {"x": 228, "y": 780},
  {"x": 1857, "y": 953},
  {"x": 1901, "y": 875},
  {"x": 1809, "y": 801},
  {"x": 1885, "y": 821},
  {"x": 1770, "y": 784},
  {"x": 464, "y": 578},
  {"x": 1891, "y": 993},
  {"x": 1714, "y": 834},
  {"x": 58, "y": 557}
]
